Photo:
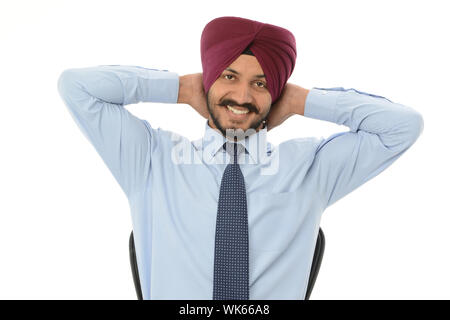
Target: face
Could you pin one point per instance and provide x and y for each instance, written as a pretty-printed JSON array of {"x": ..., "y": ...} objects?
[{"x": 239, "y": 98}]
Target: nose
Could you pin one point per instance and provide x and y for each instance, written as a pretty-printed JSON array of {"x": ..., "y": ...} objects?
[{"x": 242, "y": 94}]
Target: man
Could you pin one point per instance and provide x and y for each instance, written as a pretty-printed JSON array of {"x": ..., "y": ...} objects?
[{"x": 231, "y": 216}]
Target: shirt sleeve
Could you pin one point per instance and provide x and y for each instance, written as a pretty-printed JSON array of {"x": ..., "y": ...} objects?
[
  {"x": 380, "y": 132},
  {"x": 96, "y": 96}
]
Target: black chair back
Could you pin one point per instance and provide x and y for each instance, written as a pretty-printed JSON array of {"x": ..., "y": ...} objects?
[{"x": 315, "y": 266}]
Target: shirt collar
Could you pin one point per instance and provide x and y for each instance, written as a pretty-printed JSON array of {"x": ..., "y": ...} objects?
[{"x": 212, "y": 141}]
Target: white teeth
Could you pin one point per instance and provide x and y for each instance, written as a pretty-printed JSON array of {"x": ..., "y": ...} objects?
[{"x": 237, "y": 111}]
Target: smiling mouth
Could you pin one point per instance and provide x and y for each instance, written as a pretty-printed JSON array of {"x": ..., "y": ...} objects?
[{"x": 237, "y": 110}]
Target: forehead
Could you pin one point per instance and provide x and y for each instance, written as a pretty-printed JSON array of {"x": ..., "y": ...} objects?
[{"x": 246, "y": 64}]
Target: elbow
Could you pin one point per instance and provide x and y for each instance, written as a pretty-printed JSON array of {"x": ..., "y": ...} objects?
[
  {"x": 417, "y": 124},
  {"x": 71, "y": 88},
  {"x": 403, "y": 135},
  {"x": 65, "y": 82},
  {"x": 415, "y": 127}
]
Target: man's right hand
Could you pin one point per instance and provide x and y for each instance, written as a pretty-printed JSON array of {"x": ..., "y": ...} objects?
[{"x": 191, "y": 92}]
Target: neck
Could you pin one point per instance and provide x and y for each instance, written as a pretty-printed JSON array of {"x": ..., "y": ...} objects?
[{"x": 211, "y": 125}]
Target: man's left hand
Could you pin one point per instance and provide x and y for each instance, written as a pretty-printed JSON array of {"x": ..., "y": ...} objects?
[{"x": 291, "y": 101}]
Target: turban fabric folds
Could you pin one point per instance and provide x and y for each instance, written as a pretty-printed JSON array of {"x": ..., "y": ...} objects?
[{"x": 224, "y": 39}]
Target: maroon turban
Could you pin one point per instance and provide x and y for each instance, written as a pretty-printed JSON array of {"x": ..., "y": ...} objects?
[{"x": 225, "y": 38}]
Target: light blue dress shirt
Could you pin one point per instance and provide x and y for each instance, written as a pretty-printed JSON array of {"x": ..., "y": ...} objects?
[{"x": 172, "y": 184}]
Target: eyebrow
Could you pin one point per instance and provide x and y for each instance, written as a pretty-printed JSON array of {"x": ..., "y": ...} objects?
[{"x": 257, "y": 76}]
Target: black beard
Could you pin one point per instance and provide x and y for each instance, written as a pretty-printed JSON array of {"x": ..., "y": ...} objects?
[{"x": 254, "y": 125}]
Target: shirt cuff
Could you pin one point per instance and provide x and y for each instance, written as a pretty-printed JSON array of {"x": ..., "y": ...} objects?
[
  {"x": 321, "y": 104},
  {"x": 152, "y": 85},
  {"x": 163, "y": 87}
]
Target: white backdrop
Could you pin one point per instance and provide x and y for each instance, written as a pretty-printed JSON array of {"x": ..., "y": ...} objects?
[{"x": 65, "y": 222}]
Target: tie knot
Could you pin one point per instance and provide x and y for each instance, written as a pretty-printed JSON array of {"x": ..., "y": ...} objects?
[{"x": 233, "y": 149}]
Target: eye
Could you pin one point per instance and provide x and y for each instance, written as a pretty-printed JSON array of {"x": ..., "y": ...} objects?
[
  {"x": 263, "y": 84},
  {"x": 260, "y": 84}
]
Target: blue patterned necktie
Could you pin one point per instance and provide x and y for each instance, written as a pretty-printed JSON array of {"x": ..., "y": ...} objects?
[{"x": 231, "y": 267}]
